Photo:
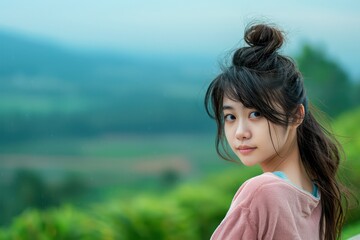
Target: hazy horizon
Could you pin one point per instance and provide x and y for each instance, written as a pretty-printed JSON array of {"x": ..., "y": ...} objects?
[{"x": 200, "y": 29}]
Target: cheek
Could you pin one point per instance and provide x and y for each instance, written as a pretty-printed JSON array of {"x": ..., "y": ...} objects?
[
  {"x": 227, "y": 133},
  {"x": 265, "y": 132}
]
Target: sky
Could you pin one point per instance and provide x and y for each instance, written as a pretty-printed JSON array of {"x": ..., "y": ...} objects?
[{"x": 198, "y": 28}]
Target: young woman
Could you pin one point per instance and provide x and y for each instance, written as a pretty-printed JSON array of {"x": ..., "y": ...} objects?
[{"x": 262, "y": 113}]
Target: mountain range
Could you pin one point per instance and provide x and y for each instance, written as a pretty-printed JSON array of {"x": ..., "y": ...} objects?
[{"x": 70, "y": 91}]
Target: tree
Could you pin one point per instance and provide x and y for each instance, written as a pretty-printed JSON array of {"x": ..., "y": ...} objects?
[{"x": 328, "y": 85}]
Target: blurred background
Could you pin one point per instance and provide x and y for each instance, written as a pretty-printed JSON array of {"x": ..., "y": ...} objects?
[{"x": 103, "y": 133}]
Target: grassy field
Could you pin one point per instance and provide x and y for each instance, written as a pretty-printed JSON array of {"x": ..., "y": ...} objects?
[{"x": 120, "y": 162}]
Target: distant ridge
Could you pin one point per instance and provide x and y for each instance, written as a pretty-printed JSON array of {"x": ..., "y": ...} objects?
[
  {"x": 25, "y": 55},
  {"x": 50, "y": 90}
]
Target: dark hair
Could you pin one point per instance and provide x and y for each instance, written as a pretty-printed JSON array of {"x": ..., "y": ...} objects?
[{"x": 261, "y": 78}]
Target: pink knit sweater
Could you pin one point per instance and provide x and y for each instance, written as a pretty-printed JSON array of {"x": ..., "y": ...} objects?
[{"x": 268, "y": 207}]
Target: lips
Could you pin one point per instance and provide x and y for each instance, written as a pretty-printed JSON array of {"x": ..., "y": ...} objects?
[{"x": 245, "y": 149}]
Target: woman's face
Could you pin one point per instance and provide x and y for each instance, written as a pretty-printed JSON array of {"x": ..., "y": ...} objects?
[{"x": 253, "y": 138}]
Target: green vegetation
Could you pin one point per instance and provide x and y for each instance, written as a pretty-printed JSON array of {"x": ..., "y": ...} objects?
[
  {"x": 87, "y": 170},
  {"x": 348, "y": 132},
  {"x": 328, "y": 85},
  {"x": 351, "y": 230}
]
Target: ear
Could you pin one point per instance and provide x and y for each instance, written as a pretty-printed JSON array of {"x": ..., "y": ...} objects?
[{"x": 299, "y": 115}]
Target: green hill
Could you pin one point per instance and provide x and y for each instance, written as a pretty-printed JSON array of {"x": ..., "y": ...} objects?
[{"x": 48, "y": 90}]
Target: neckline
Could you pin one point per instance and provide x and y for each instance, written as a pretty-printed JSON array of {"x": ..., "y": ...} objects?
[{"x": 282, "y": 175}]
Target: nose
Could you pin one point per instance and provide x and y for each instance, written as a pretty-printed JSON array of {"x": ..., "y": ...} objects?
[{"x": 242, "y": 131}]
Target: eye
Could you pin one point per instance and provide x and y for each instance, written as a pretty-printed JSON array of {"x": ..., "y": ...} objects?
[
  {"x": 255, "y": 114},
  {"x": 229, "y": 118}
]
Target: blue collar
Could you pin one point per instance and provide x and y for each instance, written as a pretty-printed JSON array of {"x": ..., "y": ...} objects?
[{"x": 283, "y": 176}]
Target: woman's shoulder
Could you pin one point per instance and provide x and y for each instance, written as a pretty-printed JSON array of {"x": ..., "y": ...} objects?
[
  {"x": 261, "y": 182},
  {"x": 269, "y": 189},
  {"x": 265, "y": 178},
  {"x": 266, "y": 186}
]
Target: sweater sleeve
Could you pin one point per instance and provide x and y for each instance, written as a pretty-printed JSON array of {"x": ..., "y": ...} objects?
[
  {"x": 236, "y": 225},
  {"x": 272, "y": 214}
]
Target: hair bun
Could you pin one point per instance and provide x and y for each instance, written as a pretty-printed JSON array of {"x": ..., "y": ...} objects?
[{"x": 261, "y": 35}]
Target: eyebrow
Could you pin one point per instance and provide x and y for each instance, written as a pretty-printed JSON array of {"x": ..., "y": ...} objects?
[{"x": 227, "y": 107}]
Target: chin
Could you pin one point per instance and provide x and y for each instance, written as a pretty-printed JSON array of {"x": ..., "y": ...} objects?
[{"x": 248, "y": 163}]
